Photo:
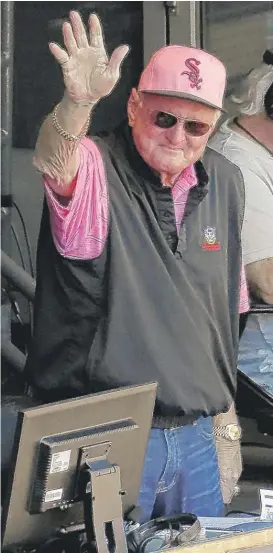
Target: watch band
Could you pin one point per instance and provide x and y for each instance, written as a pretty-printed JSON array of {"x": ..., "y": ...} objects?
[{"x": 231, "y": 432}]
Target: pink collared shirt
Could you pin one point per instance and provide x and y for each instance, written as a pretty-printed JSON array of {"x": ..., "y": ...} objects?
[{"x": 80, "y": 228}]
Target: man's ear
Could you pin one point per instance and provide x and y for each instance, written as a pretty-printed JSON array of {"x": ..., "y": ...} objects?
[
  {"x": 132, "y": 105},
  {"x": 217, "y": 122},
  {"x": 218, "y": 119}
]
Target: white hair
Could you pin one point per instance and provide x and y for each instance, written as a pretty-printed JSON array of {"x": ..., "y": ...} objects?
[{"x": 250, "y": 94}]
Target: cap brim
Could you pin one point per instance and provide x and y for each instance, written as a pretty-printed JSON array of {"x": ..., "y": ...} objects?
[{"x": 175, "y": 94}]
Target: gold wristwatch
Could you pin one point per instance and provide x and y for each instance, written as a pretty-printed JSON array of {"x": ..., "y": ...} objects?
[{"x": 231, "y": 432}]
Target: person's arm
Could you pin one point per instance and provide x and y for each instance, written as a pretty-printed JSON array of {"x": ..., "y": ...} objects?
[
  {"x": 88, "y": 76},
  {"x": 257, "y": 235},
  {"x": 244, "y": 303},
  {"x": 260, "y": 278},
  {"x": 56, "y": 156},
  {"x": 228, "y": 453}
]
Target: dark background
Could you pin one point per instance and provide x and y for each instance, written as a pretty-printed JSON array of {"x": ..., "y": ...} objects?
[{"x": 37, "y": 76}]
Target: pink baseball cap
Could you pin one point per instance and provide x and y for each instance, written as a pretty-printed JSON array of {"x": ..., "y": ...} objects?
[{"x": 185, "y": 72}]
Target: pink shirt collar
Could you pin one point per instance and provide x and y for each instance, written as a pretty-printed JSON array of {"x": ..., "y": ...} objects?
[{"x": 186, "y": 180}]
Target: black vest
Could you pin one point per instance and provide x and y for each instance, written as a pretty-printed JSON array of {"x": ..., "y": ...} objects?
[{"x": 154, "y": 305}]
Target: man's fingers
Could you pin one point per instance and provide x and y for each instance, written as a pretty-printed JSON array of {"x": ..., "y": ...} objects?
[
  {"x": 69, "y": 39},
  {"x": 78, "y": 29},
  {"x": 95, "y": 30},
  {"x": 117, "y": 58},
  {"x": 59, "y": 53}
]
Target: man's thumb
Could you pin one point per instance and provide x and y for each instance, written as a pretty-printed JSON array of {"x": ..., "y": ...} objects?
[{"x": 117, "y": 58}]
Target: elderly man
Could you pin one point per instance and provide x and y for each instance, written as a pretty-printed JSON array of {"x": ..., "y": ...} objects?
[{"x": 139, "y": 258}]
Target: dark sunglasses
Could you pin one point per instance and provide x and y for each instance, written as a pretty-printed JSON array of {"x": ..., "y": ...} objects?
[{"x": 165, "y": 120}]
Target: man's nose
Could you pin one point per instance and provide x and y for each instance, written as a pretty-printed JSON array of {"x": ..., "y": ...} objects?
[{"x": 176, "y": 134}]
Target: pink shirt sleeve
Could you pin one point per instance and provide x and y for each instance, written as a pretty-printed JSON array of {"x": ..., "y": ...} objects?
[
  {"x": 80, "y": 228},
  {"x": 244, "y": 297}
]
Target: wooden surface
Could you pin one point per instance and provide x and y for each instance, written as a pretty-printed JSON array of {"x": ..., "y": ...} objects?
[{"x": 247, "y": 542}]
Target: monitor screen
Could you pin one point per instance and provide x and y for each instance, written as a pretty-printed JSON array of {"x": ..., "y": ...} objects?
[{"x": 64, "y": 450}]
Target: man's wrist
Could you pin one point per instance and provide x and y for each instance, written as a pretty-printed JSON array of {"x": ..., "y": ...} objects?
[
  {"x": 70, "y": 120},
  {"x": 230, "y": 417},
  {"x": 68, "y": 135},
  {"x": 74, "y": 105}
]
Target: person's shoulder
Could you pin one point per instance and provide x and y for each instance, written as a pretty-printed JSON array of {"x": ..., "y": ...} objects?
[
  {"x": 241, "y": 151},
  {"x": 217, "y": 162},
  {"x": 230, "y": 144},
  {"x": 227, "y": 177}
]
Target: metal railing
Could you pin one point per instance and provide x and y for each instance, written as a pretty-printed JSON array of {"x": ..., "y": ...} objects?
[
  {"x": 7, "y": 22},
  {"x": 12, "y": 272},
  {"x": 23, "y": 282}
]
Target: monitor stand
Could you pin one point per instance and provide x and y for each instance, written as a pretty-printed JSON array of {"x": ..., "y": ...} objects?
[
  {"x": 101, "y": 492},
  {"x": 99, "y": 488}
]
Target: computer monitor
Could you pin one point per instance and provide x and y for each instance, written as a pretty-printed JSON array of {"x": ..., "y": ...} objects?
[{"x": 75, "y": 462}]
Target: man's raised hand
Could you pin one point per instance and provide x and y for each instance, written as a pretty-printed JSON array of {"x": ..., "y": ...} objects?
[{"x": 88, "y": 73}]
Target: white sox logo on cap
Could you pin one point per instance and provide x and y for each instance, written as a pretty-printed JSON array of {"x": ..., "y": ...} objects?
[{"x": 194, "y": 73}]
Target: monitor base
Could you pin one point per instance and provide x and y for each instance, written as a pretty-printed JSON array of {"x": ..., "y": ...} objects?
[{"x": 99, "y": 487}]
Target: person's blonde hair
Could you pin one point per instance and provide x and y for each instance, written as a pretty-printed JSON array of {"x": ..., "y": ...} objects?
[{"x": 250, "y": 93}]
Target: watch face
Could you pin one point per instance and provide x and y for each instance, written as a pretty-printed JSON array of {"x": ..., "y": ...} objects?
[{"x": 234, "y": 432}]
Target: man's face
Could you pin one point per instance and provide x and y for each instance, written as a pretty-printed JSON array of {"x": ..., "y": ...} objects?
[{"x": 168, "y": 150}]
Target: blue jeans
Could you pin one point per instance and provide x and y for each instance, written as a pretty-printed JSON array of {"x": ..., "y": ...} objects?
[
  {"x": 256, "y": 350},
  {"x": 181, "y": 472}
]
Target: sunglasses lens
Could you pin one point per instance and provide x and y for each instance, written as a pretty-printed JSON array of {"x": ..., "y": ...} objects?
[
  {"x": 196, "y": 128},
  {"x": 165, "y": 120}
]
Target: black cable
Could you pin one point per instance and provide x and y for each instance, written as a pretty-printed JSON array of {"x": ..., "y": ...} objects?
[
  {"x": 202, "y": 17},
  {"x": 14, "y": 305},
  {"x": 26, "y": 237},
  {"x": 167, "y": 19},
  {"x": 16, "y": 310},
  {"x": 24, "y": 267},
  {"x": 256, "y": 444},
  {"x": 15, "y": 235},
  {"x": 242, "y": 513}
]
